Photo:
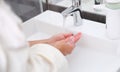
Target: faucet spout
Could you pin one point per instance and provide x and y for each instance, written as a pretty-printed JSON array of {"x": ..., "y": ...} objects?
[
  {"x": 75, "y": 11},
  {"x": 68, "y": 11}
]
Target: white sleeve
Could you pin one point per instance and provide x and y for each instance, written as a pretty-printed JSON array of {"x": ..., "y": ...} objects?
[
  {"x": 3, "y": 61},
  {"x": 46, "y": 58}
]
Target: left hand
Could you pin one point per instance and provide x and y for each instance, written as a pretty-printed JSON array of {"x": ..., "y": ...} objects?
[
  {"x": 67, "y": 45},
  {"x": 59, "y": 37},
  {"x": 53, "y": 39}
]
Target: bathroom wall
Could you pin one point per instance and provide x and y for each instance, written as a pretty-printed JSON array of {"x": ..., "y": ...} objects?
[{"x": 25, "y": 9}]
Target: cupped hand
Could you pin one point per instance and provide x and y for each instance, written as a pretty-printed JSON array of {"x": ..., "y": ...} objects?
[
  {"x": 63, "y": 42},
  {"x": 67, "y": 44}
]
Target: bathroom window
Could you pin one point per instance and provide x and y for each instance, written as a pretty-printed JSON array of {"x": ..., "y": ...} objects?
[{"x": 25, "y": 9}]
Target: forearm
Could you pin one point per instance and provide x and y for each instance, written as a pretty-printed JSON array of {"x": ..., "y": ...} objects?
[{"x": 45, "y": 41}]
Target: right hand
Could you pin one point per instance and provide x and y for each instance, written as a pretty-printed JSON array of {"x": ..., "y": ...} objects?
[{"x": 67, "y": 45}]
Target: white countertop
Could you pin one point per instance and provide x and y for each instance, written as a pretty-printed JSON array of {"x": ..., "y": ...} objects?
[{"x": 95, "y": 52}]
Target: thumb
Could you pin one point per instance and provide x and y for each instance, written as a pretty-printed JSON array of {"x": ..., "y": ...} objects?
[{"x": 77, "y": 37}]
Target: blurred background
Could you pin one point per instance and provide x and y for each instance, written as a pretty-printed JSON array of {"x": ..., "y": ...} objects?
[{"x": 25, "y": 9}]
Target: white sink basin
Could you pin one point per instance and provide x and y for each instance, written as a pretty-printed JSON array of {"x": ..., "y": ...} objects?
[{"x": 93, "y": 53}]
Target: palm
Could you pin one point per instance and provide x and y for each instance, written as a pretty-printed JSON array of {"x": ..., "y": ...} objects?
[{"x": 59, "y": 37}]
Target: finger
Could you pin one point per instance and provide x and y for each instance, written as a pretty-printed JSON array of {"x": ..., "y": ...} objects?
[
  {"x": 68, "y": 35},
  {"x": 70, "y": 41},
  {"x": 77, "y": 37}
]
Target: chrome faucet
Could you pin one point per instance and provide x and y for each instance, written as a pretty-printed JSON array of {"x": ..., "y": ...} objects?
[{"x": 75, "y": 11}]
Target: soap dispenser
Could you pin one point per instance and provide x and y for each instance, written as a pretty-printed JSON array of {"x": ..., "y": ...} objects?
[{"x": 113, "y": 18}]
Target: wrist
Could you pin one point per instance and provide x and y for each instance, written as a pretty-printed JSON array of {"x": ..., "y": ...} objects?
[{"x": 46, "y": 41}]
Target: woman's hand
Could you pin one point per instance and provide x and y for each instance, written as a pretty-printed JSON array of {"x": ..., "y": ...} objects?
[
  {"x": 59, "y": 37},
  {"x": 63, "y": 42},
  {"x": 53, "y": 39},
  {"x": 67, "y": 44}
]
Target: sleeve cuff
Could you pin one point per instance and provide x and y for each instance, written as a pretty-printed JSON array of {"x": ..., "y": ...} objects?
[{"x": 51, "y": 54}]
